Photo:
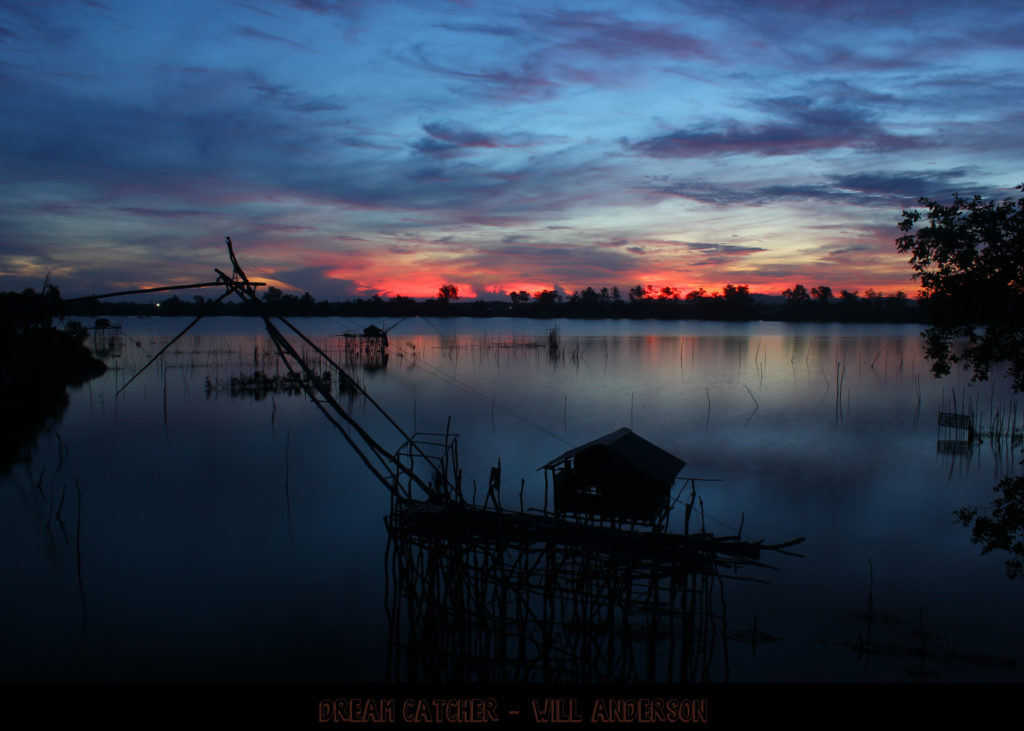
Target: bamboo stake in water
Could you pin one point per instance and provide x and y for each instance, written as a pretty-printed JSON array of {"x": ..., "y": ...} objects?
[
  {"x": 78, "y": 552},
  {"x": 756, "y": 405},
  {"x": 287, "y": 491}
]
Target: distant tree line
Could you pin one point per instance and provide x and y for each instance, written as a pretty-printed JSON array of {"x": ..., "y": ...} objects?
[
  {"x": 644, "y": 302},
  {"x": 733, "y": 302},
  {"x": 820, "y": 304}
]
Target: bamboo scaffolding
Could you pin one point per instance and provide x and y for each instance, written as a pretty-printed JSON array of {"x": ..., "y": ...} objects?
[
  {"x": 550, "y": 612},
  {"x": 481, "y": 596}
]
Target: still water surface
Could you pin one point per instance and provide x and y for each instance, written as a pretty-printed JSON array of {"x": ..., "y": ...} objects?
[{"x": 227, "y": 538}]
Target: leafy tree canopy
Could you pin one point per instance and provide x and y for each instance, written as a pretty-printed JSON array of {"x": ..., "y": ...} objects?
[
  {"x": 969, "y": 257},
  {"x": 447, "y": 292},
  {"x": 797, "y": 295},
  {"x": 1004, "y": 528},
  {"x": 822, "y": 294}
]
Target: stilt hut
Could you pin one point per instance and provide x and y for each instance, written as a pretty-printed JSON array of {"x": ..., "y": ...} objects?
[
  {"x": 372, "y": 332},
  {"x": 619, "y": 476}
]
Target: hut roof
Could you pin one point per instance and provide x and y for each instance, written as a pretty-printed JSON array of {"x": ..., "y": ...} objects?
[{"x": 646, "y": 457}]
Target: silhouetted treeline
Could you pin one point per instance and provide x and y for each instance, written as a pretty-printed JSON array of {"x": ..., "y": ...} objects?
[
  {"x": 32, "y": 348},
  {"x": 734, "y": 302},
  {"x": 37, "y": 362},
  {"x": 820, "y": 304}
]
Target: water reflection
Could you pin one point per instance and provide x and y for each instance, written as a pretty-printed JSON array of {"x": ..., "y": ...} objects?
[
  {"x": 37, "y": 368},
  {"x": 367, "y": 351},
  {"x": 258, "y": 385},
  {"x": 26, "y": 414},
  {"x": 912, "y": 647},
  {"x": 225, "y": 538},
  {"x": 999, "y": 526}
]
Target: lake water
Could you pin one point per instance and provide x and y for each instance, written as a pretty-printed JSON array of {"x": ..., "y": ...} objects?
[{"x": 238, "y": 538}]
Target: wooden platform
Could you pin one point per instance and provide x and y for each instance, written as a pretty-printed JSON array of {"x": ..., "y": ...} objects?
[{"x": 476, "y": 525}]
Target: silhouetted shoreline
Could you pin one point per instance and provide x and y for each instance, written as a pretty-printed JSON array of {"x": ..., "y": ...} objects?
[
  {"x": 37, "y": 364},
  {"x": 879, "y": 308}
]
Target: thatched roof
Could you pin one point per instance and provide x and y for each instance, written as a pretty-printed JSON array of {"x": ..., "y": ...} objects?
[{"x": 644, "y": 457}]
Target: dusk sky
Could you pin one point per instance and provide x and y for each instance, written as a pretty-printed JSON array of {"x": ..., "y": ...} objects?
[{"x": 389, "y": 146}]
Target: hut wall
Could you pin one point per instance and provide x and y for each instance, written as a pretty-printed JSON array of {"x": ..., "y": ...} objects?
[{"x": 601, "y": 484}]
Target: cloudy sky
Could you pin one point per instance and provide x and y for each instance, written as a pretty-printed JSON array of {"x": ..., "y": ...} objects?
[{"x": 355, "y": 147}]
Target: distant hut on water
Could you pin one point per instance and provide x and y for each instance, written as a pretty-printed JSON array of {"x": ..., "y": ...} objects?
[
  {"x": 374, "y": 332},
  {"x": 370, "y": 346}
]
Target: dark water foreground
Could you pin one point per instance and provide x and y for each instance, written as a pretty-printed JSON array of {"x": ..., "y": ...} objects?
[{"x": 212, "y": 533}]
